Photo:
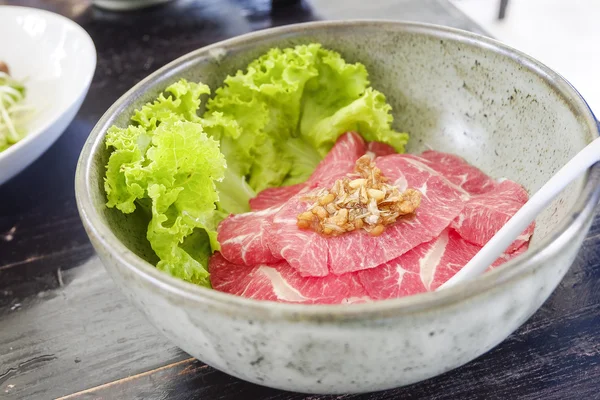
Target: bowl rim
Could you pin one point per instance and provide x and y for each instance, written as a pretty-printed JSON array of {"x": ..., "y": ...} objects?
[
  {"x": 82, "y": 90},
  {"x": 578, "y": 219}
]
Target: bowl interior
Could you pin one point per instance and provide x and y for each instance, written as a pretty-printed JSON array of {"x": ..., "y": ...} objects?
[
  {"x": 54, "y": 55},
  {"x": 497, "y": 109}
]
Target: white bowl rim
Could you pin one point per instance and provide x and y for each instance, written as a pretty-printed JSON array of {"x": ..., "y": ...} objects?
[
  {"x": 32, "y": 135},
  {"x": 242, "y": 307}
]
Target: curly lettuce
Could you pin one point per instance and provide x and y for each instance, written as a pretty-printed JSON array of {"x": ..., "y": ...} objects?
[
  {"x": 269, "y": 125},
  {"x": 291, "y": 105},
  {"x": 169, "y": 165}
]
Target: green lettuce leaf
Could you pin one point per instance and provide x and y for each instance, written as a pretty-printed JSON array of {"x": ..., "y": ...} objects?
[
  {"x": 290, "y": 106},
  {"x": 124, "y": 184},
  {"x": 182, "y": 102},
  {"x": 184, "y": 163},
  {"x": 304, "y": 160},
  {"x": 369, "y": 115},
  {"x": 169, "y": 166}
]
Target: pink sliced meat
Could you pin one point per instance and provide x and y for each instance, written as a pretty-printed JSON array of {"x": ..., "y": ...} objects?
[
  {"x": 507, "y": 256},
  {"x": 459, "y": 172},
  {"x": 348, "y": 147},
  {"x": 244, "y": 238},
  {"x": 241, "y": 280},
  {"x": 397, "y": 278},
  {"x": 266, "y": 256},
  {"x": 424, "y": 268},
  {"x": 315, "y": 255},
  {"x": 440, "y": 204},
  {"x": 280, "y": 282},
  {"x": 380, "y": 149},
  {"x": 275, "y": 196},
  {"x": 486, "y": 213},
  {"x": 338, "y": 162},
  {"x": 305, "y": 250}
]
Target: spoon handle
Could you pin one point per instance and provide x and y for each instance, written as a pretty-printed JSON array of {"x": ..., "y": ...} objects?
[{"x": 588, "y": 156}]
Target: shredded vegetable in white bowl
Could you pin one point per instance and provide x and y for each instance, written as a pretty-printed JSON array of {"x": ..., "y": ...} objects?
[
  {"x": 14, "y": 112},
  {"x": 43, "y": 81}
]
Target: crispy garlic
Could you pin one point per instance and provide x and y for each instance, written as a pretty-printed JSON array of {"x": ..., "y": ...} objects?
[{"x": 359, "y": 201}]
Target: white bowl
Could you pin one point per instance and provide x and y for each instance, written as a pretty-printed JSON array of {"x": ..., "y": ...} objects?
[
  {"x": 58, "y": 59},
  {"x": 127, "y": 5}
]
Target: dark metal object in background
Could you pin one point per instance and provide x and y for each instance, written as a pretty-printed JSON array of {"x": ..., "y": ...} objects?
[
  {"x": 284, "y": 3},
  {"x": 502, "y": 11},
  {"x": 66, "y": 329}
]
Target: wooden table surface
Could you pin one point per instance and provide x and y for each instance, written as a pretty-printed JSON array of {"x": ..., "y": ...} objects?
[{"x": 65, "y": 330}]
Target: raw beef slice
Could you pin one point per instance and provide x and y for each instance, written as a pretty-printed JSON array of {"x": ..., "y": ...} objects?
[
  {"x": 305, "y": 250},
  {"x": 441, "y": 202},
  {"x": 275, "y": 196},
  {"x": 380, "y": 149},
  {"x": 349, "y": 147},
  {"x": 486, "y": 213},
  {"x": 506, "y": 256},
  {"x": 243, "y": 237},
  {"x": 424, "y": 268},
  {"x": 312, "y": 254},
  {"x": 458, "y": 171},
  {"x": 280, "y": 282},
  {"x": 338, "y": 162}
]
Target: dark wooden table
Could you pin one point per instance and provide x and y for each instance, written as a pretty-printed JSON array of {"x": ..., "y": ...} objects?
[{"x": 65, "y": 330}]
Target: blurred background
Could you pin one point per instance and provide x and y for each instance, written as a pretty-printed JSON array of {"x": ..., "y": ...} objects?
[{"x": 562, "y": 34}]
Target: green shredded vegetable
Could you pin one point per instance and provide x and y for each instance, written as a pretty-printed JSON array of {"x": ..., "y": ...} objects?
[{"x": 13, "y": 113}]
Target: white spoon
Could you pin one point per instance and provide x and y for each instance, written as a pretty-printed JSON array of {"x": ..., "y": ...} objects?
[{"x": 525, "y": 216}]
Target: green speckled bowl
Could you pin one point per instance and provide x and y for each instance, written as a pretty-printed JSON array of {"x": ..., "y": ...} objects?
[{"x": 453, "y": 91}]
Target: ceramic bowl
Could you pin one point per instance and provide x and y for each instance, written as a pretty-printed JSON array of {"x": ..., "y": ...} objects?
[
  {"x": 57, "y": 59},
  {"x": 453, "y": 91}
]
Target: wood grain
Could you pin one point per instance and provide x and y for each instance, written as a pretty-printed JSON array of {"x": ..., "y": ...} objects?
[
  {"x": 65, "y": 329},
  {"x": 71, "y": 337}
]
